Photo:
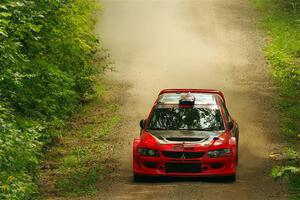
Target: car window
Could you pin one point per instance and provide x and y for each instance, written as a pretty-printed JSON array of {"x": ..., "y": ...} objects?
[
  {"x": 186, "y": 118},
  {"x": 227, "y": 116}
]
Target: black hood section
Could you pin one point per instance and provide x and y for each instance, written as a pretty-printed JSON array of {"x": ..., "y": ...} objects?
[{"x": 182, "y": 135}]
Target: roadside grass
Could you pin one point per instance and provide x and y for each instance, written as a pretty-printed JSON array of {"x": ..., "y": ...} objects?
[
  {"x": 281, "y": 21},
  {"x": 81, "y": 157},
  {"x": 295, "y": 187}
]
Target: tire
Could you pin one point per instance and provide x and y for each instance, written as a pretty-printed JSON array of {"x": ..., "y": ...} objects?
[
  {"x": 237, "y": 155},
  {"x": 231, "y": 178},
  {"x": 138, "y": 178},
  {"x": 237, "y": 149}
]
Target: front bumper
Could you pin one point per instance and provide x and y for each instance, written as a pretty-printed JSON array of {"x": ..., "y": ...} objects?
[{"x": 158, "y": 166}]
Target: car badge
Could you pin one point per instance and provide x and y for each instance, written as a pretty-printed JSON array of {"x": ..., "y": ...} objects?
[{"x": 183, "y": 156}]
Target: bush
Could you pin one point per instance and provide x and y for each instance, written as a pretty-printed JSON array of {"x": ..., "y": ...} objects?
[
  {"x": 47, "y": 51},
  {"x": 19, "y": 153}
]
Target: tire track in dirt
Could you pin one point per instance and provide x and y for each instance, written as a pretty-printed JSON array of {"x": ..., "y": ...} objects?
[{"x": 159, "y": 44}]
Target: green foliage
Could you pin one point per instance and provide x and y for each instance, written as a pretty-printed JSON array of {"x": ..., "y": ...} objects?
[
  {"x": 279, "y": 172},
  {"x": 290, "y": 154},
  {"x": 47, "y": 68},
  {"x": 83, "y": 157},
  {"x": 290, "y": 158},
  {"x": 294, "y": 182},
  {"x": 281, "y": 19},
  {"x": 19, "y": 152},
  {"x": 292, "y": 174}
]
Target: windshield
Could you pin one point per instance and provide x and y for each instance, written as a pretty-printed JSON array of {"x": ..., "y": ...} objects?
[{"x": 186, "y": 118}]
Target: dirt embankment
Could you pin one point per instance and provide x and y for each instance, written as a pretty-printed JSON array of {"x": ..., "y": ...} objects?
[{"x": 192, "y": 44}]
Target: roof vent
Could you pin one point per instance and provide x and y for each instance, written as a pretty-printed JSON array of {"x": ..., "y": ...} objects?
[{"x": 187, "y": 99}]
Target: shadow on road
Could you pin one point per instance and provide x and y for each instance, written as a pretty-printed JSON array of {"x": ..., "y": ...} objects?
[{"x": 148, "y": 179}]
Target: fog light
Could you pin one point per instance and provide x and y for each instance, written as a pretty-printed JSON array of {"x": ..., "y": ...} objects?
[
  {"x": 219, "y": 153},
  {"x": 148, "y": 152}
]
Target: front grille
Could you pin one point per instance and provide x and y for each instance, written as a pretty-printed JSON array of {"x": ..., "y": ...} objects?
[
  {"x": 183, "y": 167},
  {"x": 150, "y": 164},
  {"x": 183, "y": 155}
]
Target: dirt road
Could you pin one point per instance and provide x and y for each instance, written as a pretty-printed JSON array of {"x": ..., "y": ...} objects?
[{"x": 160, "y": 44}]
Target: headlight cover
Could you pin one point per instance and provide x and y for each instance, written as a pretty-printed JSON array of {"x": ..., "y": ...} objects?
[
  {"x": 219, "y": 153},
  {"x": 148, "y": 152}
]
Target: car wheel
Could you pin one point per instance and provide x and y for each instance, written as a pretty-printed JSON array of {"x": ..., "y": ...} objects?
[
  {"x": 237, "y": 155},
  {"x": 231, "y": 178},
  {"x": 138, "y": 178}
]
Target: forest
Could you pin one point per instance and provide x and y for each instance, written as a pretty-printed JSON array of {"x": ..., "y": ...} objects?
[{"x": 47, "y": 68}]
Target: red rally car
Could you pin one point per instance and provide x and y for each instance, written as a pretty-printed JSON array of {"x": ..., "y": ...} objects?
[{"x": 189, "y": 133}]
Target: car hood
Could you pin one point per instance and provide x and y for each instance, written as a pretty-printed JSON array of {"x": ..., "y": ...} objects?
[{"x": 185, "y": 136}]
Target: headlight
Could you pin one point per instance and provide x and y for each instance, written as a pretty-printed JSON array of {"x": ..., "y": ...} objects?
[
  {"x": 148, "y": 152},
  {"x": 219, "y": 153}
]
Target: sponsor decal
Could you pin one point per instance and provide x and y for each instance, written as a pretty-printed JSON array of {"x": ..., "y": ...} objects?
[
  {"x": 188, "y": 146},
  {"x": 178, "y": 146}
]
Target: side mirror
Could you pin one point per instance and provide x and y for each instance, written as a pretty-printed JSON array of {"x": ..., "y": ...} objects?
[
  {"x": 230, "y": 125},
  {"x": 142, "y": 123}
]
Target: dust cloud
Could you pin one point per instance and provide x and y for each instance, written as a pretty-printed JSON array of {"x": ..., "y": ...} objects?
[{"x": 158, "y": 44}]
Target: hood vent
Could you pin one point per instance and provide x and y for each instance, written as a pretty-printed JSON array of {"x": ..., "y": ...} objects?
[{"x": 184, "y": 139}]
